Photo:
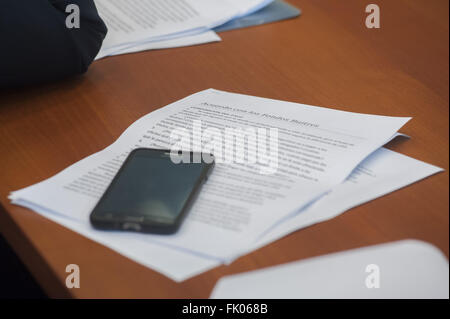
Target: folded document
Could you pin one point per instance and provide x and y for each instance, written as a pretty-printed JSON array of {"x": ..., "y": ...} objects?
[{"x": 241, "y": 204}]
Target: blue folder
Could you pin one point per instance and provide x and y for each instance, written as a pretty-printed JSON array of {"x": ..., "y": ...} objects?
[{"x": 276, "y": 11}]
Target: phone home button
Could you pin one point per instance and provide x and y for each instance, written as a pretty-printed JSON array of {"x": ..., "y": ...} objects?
[{"x": 131, "y": 226}]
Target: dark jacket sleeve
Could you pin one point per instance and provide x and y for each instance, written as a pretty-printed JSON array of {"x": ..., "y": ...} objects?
[{"x": 36, "y": 46}]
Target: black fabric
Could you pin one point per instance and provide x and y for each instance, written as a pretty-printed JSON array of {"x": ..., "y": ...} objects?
[
  {"x": 16, "y": 281},
  {"x": 36, "y": 46}
]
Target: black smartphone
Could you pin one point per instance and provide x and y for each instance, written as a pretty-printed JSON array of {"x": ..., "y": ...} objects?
[{"x": 151, "y": 192}]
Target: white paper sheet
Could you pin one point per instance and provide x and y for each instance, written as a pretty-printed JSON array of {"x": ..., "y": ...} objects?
[
  {"x": 319, "y": 148},
  {"x": 404, "y": 269},
  {"x": 383, "y": 172}
]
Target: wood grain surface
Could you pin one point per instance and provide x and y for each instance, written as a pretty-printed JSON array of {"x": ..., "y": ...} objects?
[{"x": 326, "y": 57}]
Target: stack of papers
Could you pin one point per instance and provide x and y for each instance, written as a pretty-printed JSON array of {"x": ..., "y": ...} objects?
[
  {"x": 155, "y": 24},
  {"x": 327, "y": 162}
]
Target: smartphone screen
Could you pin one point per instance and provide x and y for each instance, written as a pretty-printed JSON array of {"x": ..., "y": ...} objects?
[{"x": 149, "y": 193}]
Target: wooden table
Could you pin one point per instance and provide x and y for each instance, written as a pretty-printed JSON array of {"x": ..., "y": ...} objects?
[{"x": 327, "y": 57}]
